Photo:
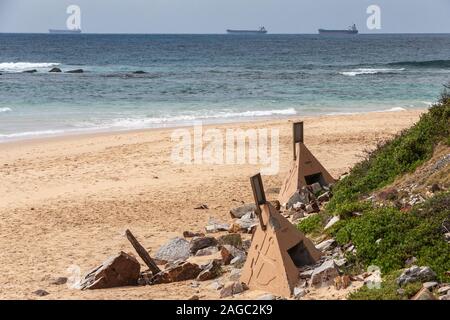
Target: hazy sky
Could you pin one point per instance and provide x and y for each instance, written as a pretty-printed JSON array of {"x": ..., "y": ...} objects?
[{"x": 214, "y": 16}]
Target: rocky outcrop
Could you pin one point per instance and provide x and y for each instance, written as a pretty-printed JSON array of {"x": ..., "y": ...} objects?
[{"x": 415, "y": 274}]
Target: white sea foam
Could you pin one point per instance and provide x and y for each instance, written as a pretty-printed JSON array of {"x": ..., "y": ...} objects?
[
  {"x": 5, "y": 110},
  {"x": 24, "y": 66},
  {"x": 394, "y": 109},
  {"x": 142, "y": 122},
  {"x": 364, "y": 71}
]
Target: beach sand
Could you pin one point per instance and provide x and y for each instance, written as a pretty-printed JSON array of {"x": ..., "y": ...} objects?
[{"x": 67, "y": 201}]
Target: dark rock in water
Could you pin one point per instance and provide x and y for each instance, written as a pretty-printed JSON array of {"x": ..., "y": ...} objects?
[
  {"x": 243, "y": 210},
  {"x": 55, "y": 70},
  {"x": 175, "y": 249},
  {"x": 178, "y": 271},
  {"x": 117, "y": 271},
  {"x": 210, "y": 271},
  {"x": 41, "y": 293},
  {"x": 30, "y": 71},
  {"x": 75, "y": 71},
  {"x": 139, "y": 72},
  {"x": 415, "y": 273},
  {"x": 201, "y": 243}
]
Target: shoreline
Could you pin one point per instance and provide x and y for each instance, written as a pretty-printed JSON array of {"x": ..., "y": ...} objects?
[
  {"x": 111, "y": 132},
  {"x": 66, "y": 201}
]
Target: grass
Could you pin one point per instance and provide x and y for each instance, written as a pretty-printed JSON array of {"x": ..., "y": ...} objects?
[
  {"x": 418, "y": 233},
  {"x": 391, "y": 159},
  {"x": 311, "y": 225}
]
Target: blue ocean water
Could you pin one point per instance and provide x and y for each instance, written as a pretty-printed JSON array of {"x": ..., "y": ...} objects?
[{"x": 213, "y": 78}]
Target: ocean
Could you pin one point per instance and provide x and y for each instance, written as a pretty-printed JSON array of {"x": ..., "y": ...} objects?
[{"x": 209, "y": 78}]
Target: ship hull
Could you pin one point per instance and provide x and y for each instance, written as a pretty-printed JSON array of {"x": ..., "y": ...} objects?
[
  {"x": 337, "y": 32},
  {"x": 246, "y": 32},
  {"x": 53, "y": 31}
]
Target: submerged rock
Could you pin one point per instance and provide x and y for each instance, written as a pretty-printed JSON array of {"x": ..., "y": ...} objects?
[
  {"x": 75, "y": 71},
  {"x": 55, "y": 70}
]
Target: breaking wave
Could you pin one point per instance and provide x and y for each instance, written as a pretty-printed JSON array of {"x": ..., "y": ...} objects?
[
  {"x": 368, "y": 71},
  {"x": 5, "y": 110},
  {"x": 24, "y": 66}
]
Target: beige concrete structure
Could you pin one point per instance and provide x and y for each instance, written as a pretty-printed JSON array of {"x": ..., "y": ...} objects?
[
  {"x": 278, "y": 249},
  {"x": 305, "y": 169}
]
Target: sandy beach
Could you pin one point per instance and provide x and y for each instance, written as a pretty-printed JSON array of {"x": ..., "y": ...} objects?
[{"x": 67, "y": 201}]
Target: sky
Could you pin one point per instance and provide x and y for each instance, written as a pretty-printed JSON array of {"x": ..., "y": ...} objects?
[{"x": 215, "y": 16}]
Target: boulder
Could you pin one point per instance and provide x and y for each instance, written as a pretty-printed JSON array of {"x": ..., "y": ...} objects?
[
  {"x": 430, "y": 285},
  {"x": 298, "y": 197},
  {"x": 316, "y": 187},
  {"x": 228, "y": 253},
  {"x": 55, "y": 70},
  {"x": 232, "y": 239},
  {"x": 30, "y": 71},
  {"x": 177, "y": 271},
  {"x": 414, "y": 274},
  {"x": 189, "y": 234},
  {"x": 325, "y": 197},
  {"x": 332, "y": 222},
  {"x": 75, "y": 71},
  {"x": 117, "y": 271},
  {"x": 231, "y": 288},
  {"x": 326, "y": 245},
  {"x": 139, "y": 72},
  {"x": 175, "y": 249},
  {"x": 210, "y": 271},
  {"x": 209, "y": 251},
  {"x": 239, "y": 212},
  {"x": 313, "y": 207},
  {"x": 325, "y": 274},
  {"x": 444, "y": 290},
  {"x": 424, "y": 294},
  {"x": 41, "y": 293},
  {"x": 201, "y": 243}
]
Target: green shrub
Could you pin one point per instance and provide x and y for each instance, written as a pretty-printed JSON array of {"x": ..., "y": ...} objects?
[
  {"x": 403, "y": 235},
  {"x": 311, "y": 225},
  {"x": 400, "y": 155}
]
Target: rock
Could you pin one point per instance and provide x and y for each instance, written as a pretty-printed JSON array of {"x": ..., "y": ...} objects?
[
  {"x": 58, "y": 281},
  {"x": 443, "y": 290},
  {"x": 445, "y": 298},
  {"x": 424, "y": 294},
  {"x": 239, "y": 212},
  {"x": 55, "y": 70},
  {"x": 267, "y": 296},
  {"x": 235, "y": 275},
  {"x": 201, "y": 207},
  {"x": 325, "y": 197},
  {"x": 145, "y": 278},
  {"x": 238, "y": 262},
  {"x": 342, "y": 282},
  {"x": 313, "y": 207},
  {"x": 326, "y": 245},
  {"x": 243, "y": 225},
  {"x": 194, "y": 297},
  {"x": 232, "y": 239},
  {"x": 276, "y": 204},
  {"x": 75, "y": 71},
  {"x": 30, "y": 71},
  {"x": 195, "y": 284},
  {"x": 178, "y": 271},
  {"x": 299, "y": 293},
  {"x": 175, "y": 249},
  {"x": 316, "y": 187},
  {"x": 299, "y": 206},
  {"x": 332, "y": 222},
  {"x": 430, "y": 285},
  {"x": 228, "y": 253},
  {"x": 188, "y": 234},
  {"x": 415, "y": 273},
  {"x": 297, "y": 216},
  {"x": 246, "y": 244},
  {"x": 117, "y": 271},
  {"x": 302, "y": 196},
  {"x": 435, "y": 188},
  {"x": 210, "y": 271},
  {"x": 340, "y": 262},
  {"x": 209, "y": 251},
  {"x": 231, "y": 288},
  {"x": 447, "y": 236},
  {"x": 201, "y": 243},
  {"x": 410, "y": 261},
  {"x": 41, "y": 293},
  {"x": 214, "y": 228},
  {"x": 216, "y": 285},
  {"x": 139, "y": 72},
  {"x": 325, "y": 274},
  {"x": 306, "y": 274}
]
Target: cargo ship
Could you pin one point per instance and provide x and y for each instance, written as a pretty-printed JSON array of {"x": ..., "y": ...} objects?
[
  {"x": 261, "y": 30},
  {"x": 351, "y": 30},
  {"x": 67, "y": 31}
]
